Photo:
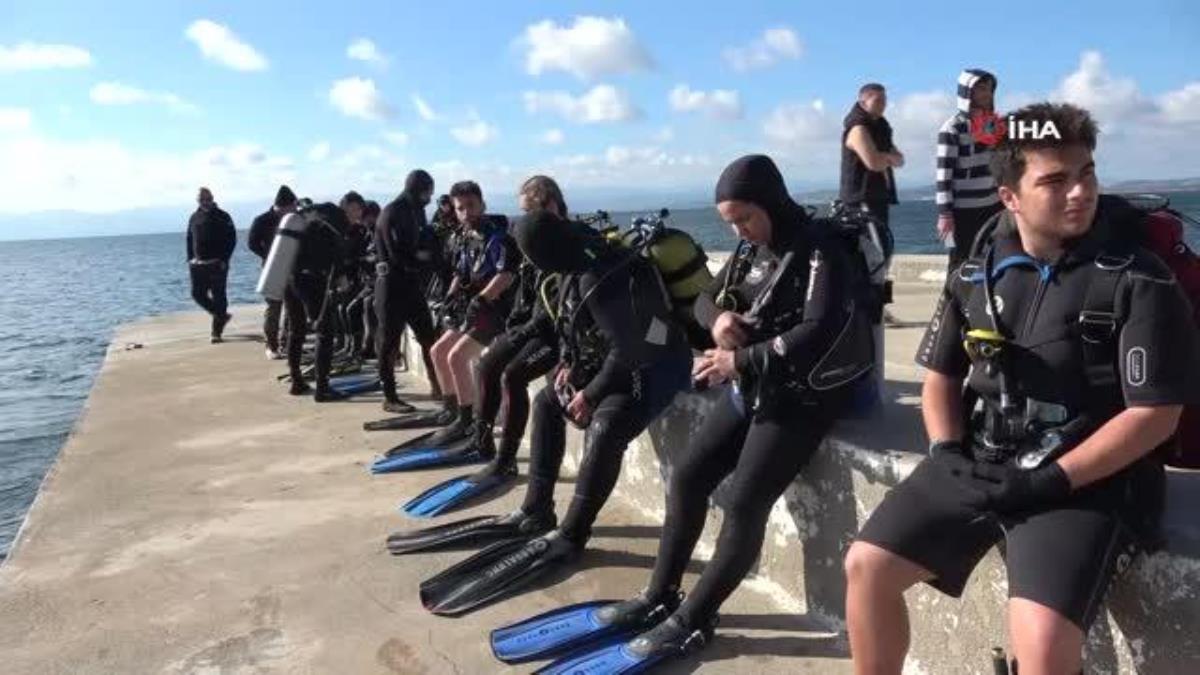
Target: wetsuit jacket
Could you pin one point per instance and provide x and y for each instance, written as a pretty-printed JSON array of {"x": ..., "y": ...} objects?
[
  {"x": 807, "y": 310},
  {"x": 624, "y": 324},
  {"x": 262, "y": 232},
  {"x": 1039, "y": 304},
  {"x": 211, "y": 235},
  {"x": 397, "y": 236}
]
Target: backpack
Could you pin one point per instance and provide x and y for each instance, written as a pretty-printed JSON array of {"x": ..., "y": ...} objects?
[
  {"x": 1148, "y": 222},
  {"x": 681, "y": 263},
  {"x": 1151, "y": 223}
]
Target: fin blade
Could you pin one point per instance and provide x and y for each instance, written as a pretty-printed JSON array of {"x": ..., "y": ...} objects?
[{"x": 554, "y": 632}]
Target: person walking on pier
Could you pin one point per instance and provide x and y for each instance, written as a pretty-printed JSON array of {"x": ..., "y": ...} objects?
[{"x": 211, "y": 238}]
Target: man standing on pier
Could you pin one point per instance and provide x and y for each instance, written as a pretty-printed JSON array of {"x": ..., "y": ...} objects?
[
  {"x": 210, "y": 241},
  {"x": 262, "y": 235},
  {"x": 868, "y": 154}
]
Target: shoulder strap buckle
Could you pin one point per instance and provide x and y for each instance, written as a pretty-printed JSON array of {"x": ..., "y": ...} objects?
[
  {"x": 1112, "y": 262},
  {"x": 1097, "y": 327}
]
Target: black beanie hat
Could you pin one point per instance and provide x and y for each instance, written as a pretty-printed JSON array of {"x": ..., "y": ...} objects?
[
  {"x": 285, "y": 196},
  {"x": 554, "y": 244}
]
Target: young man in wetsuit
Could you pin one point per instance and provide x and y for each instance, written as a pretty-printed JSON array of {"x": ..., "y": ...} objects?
[
  {"x": 259, "y": 240},
  {"x": 211, "y": 239},
  {"x": 1051, "y": 450},
  {"x": 484, "y": 277}
]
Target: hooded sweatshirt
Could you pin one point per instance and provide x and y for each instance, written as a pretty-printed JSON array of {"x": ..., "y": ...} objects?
[
  {"x": 810, "y": 308},
  {"x": 964, "y": 179}
]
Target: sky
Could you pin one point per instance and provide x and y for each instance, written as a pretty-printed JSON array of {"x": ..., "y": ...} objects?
[{"x": 111, "y": 106}]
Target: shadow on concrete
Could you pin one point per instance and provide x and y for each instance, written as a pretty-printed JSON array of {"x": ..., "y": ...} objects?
[{"x": 628, "y": 531}]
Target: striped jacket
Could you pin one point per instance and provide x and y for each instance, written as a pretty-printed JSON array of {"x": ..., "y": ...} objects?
[{"x": 964, "y": 179}]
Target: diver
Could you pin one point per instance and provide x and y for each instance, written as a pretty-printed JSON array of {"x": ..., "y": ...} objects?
[
  {"x": 399, "y": 301},
  {"x": 527, "y": 350},
  {"x": 782, "y": 314},
  {"x": 259, "y": 240},
  {"x": 623, "y": 360},
  {"x": 309, "y": 298},
  {"x": 1050, "y": 446}
]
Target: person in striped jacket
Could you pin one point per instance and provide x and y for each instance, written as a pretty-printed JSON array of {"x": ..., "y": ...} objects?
[{"x": 966, "y": 191}]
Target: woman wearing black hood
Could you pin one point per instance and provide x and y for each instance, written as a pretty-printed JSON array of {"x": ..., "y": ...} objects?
[{"x": 776, "y": 311}]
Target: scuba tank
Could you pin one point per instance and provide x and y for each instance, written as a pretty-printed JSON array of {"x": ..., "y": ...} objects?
[{"x": 285, "y": 249}]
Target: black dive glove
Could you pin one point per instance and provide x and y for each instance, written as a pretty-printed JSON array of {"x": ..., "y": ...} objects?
[
  {"x": 1010, "y": 489},
  {"x": 953, "y": 456},
  {"x": 477, "y": 305}
]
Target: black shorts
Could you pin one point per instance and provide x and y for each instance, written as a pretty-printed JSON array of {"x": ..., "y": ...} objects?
[
  {"x": 483, "y": 323},
  {"x": 1062, "y": 557}
]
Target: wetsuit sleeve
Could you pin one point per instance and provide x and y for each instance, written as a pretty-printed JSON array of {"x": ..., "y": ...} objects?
[
  {"x": 612, "y": 310},
  {"x": 826, "y": 308},
  {"x": 705, "y": 308},
  {"x": 383, "y": 235},
  {"x": 941, "y": 348},
  {"x": 1159, "y": 345}
]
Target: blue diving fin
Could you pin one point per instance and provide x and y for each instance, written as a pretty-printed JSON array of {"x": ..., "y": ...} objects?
[
  {"x": 569, "y": 628},
  {"x": 451, "y": 494}
]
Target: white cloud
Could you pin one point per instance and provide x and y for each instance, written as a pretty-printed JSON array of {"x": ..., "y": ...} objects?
[
  {"x": 801, "y": 123},
  {"x": 319, "y": 152},
  {"x": 218, "y": 43},
  {"x": 1182, "y": 105},
  {"x": 366, "y": 51},
  {"x": 116, "y": 93},
  {"x": 397, "y": 138},
  {"x": 552, "y": 137},
  {"x": 104, "y": 175},
  {"x": 664, "y": 135},
  {"x": 475, "y": 133},
  {"x": 1111, "y": 99},
  {"x": 719, "y": 103},
  {"x": 15, "y": 119},
  {"x": 591, "y": 47},
  {"x": 36, "y": 56},
  {"x": 602, "y": 103},
  {"x": 358, "y": 97},
  {"x": 773, "y": 46},
  {"x": 424, "y": 109}
]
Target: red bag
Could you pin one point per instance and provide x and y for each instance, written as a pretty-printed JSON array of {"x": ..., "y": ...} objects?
[{"x": 1162, "y": 231}]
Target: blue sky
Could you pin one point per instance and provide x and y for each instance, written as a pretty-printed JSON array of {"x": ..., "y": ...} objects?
[{"x": 111, "y": 106}]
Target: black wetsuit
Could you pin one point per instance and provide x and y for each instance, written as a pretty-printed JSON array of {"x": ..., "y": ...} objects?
[
  {"x": 487, "y": 250},
  {"x": 309, "y": 296},
  {"x": 1061, "y": 551},
  {"x": 523, "y": 353},
  {"x": 211, "y": 239},
  {"x": 399, "y": 298},
  {"x": 766, "y": 447},
  {"x": 628, "y": 358},
  {"x": 259, "y": 240},
  {"x": 356, "y": 285}
]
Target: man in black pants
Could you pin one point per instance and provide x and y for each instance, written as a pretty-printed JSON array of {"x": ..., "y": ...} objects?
[
  {"x": 1052, "y": 449},
  {"x": 399, "y": 299},
  {"x": 309, "y": 296},
  {"x": 262, "y": 235},
  {"x": 211, "y": 239}
]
